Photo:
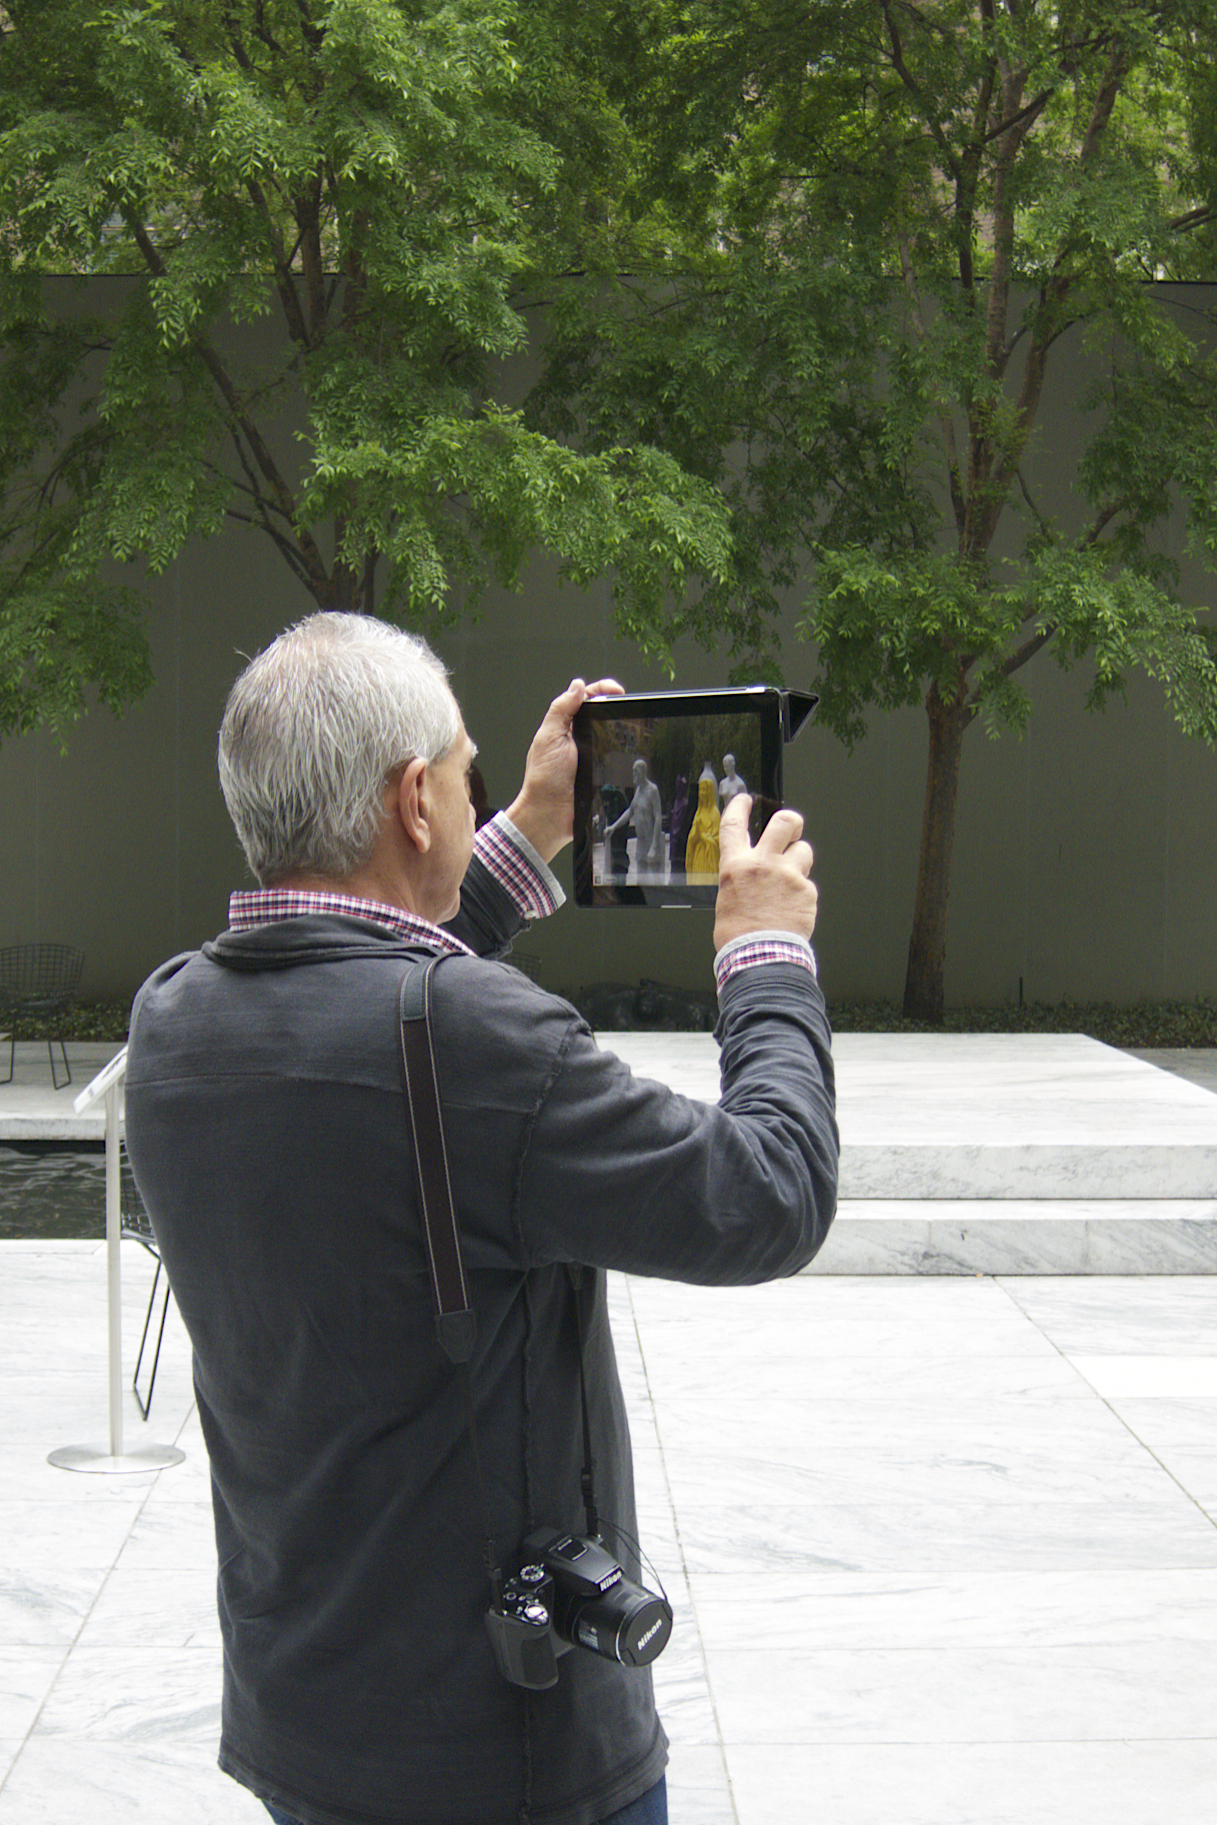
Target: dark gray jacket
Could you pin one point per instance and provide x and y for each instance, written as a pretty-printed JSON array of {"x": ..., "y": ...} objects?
[{"x": 266, "y": 1128}]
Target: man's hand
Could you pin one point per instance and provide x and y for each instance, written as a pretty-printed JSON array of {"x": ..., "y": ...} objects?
[
  {"x": 765, "y": 888},
  {"x": 544, "y": 811}
]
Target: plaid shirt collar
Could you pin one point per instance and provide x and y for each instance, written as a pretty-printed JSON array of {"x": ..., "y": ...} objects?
[
  {"x": 498, "y": 845},
  {"x": 268, "y": 905}
]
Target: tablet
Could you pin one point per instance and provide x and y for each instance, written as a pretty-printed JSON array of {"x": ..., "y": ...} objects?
[{"x": 655, "y": 773}]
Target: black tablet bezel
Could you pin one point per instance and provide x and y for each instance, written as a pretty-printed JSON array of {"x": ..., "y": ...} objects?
[{"x": 763, "y": 704}]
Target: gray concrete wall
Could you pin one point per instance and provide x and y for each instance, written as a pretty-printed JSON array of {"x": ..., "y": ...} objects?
[{"x": 1086, "y": 861}]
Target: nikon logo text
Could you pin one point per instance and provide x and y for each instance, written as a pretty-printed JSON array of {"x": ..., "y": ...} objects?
[{"x": 653, "y": 1630}]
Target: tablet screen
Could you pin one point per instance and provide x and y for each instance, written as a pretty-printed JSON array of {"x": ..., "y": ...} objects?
[{"x": 655, "y": 774}]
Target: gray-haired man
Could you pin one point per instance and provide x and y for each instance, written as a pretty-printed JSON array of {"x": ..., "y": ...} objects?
[{"x": 267, "y": 1130}]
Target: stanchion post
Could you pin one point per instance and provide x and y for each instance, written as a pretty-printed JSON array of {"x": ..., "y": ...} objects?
[{"x": 109, "y": 1083}]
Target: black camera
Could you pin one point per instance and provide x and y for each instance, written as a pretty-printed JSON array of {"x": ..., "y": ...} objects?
[{"x": 571, "y": 1593}]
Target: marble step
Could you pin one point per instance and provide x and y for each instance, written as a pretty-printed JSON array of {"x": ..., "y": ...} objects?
[
  {"x": 1001, "y": 1154},
  {"x": 960, "y": 1154},
  {"x": 1019, "y": 1236},
  {"x": 1023, "y": 1117}
]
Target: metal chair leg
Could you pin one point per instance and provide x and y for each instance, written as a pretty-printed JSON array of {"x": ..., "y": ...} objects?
[
  {"x": 145, "y": 1407},
  {"x": 50, "y": 1044}
]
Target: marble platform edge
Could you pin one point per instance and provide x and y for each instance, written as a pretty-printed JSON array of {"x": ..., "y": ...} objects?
[
  {"x": 1117, "y": 1237},
  {"x": 51, "y": 1128},
  {"x": 879, "y": 1171},
  {"x": 1082, "y": 1168},
  {"x": 1020, "y": 1237},
  {"x": 33, "y": 1109}
]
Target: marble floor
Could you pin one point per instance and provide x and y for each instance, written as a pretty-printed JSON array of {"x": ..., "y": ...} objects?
[
  {"x": 942, "y": 1545},
  {"x": 943, "y": 1551}
]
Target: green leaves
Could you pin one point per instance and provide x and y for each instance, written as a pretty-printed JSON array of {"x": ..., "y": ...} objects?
[
  {"x": 892, "y": 229},
  {"x": 387, "y": 177},
  {"x": 61, "y": 647},
  {"x": 907, "y": 215}
]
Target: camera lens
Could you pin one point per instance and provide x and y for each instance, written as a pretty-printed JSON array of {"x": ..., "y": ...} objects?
[{"x": 626, "y": 1624}]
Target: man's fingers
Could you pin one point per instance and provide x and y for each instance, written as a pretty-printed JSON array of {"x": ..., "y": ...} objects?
[
  {"x": 779, "y": 837},
  {"x": 733, "y": 837},
  {"x": 784, "y": 828},
  {"x": 766, "y": 885},
  {"x": 572, "y": 699},
  {"x": 800, "y": 856},
  {"x": 568, "y": 701}
]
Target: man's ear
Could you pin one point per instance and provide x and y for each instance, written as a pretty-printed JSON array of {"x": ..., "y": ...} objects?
[{"x": 412, "y": 805}]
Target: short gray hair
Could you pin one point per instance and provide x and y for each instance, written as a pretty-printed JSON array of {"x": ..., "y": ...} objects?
[{"x": 314, "y": 728}]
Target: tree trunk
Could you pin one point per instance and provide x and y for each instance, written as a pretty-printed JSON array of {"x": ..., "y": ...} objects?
[
  {"x": 342, "y": 591},
  {"x": 923, "y": 985}
]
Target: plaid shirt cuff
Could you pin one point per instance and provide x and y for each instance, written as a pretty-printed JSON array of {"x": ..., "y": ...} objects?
[
  {"x": 517, "y": 867},
  {"x": 762, "y": 947}
]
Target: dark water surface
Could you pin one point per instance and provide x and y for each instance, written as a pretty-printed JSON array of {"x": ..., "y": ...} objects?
[{"x": 52, "y": 1191}]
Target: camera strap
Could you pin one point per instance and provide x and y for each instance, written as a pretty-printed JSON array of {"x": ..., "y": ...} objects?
[
  {"x": 587, "y": 1478},
  {"x": 455, "y": 1319}
]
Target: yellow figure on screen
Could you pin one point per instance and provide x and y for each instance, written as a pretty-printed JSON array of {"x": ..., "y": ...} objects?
[{"x": 701, "y": 851}]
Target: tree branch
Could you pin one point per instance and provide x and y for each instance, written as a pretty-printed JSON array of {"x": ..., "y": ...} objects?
[
  {"x": 1194, "y": 218},
  {"x": 1023, "y": 119},
  {"x": 297, "y": 328},
  {"x": 234, "y": 40},
  {"x": 969, "y": 174},
  {"x": 314, "y": 35},
  {"x": 1103, "y": 521},
  {"x": 915, "y": 90},
  {"x": 1015, "y": 660},
  {"x": 286, "y": 546},
  {"x": 308, "y": 220},
  {"x": 946, "y": 425},
  {"x": 1054, "y": 294},
  {"x": 1104, "y": 104},
  {"x": 258, "y": 447},
  {"x": 264, "y": 32}
]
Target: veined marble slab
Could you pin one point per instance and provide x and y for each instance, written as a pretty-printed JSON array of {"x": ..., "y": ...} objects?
[
  {"x": 961, "y": 1153},
  {"x": 932, "y": 1543},
  {"x": 922, "y": 1116},
  {"x": 1025, "y": 1116},
  {"x": 31, "y": 1109},
  {"x": 1102, "y": 1782},
  {"x": 989, "y": 1696},
  {"x": 1021, "y": 1236}
]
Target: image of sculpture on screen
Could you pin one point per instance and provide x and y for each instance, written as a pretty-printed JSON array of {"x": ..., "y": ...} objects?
[{"x": 661, "y": 785}]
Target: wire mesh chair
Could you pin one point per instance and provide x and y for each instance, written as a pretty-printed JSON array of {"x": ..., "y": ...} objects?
[
  {"x": 136, "y": 1227},
  {"x": 38, "y": 981}
]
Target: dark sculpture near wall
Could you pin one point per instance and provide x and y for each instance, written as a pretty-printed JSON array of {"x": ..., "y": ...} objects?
[{"x": 646, "y": 1006}]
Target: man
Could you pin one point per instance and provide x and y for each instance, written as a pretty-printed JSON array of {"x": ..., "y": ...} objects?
[
  {"x": 267, "y": 1130},
  {"x": 733, "y": 783},
  {"x": 645, "y": 812}
]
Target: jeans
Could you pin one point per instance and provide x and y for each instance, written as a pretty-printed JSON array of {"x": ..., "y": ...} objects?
[{"x": 651, "y": 1809}]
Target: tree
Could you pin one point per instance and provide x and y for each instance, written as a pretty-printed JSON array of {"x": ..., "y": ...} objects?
[
  {"x": 389, "y": 179},
  {"x": 891, "y": 221}
]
